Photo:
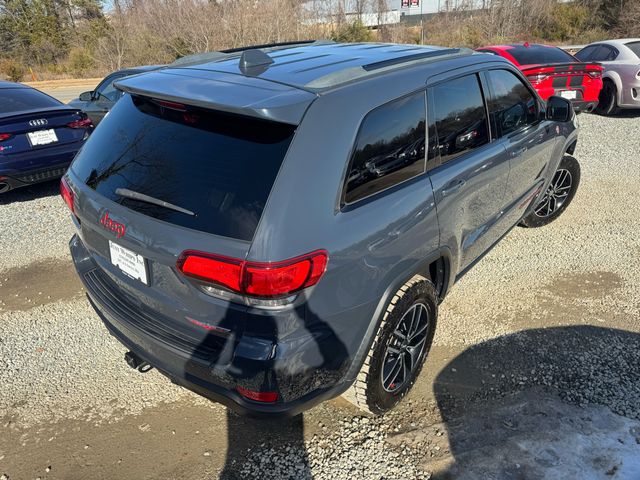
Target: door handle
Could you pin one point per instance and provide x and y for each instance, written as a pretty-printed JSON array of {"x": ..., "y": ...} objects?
[
  {"x": 518, "y": 151},
  {"x": 453, "y": 187}
]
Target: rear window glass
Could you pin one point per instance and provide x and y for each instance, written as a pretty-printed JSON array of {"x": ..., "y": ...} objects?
[
  {"x": 219, "y": 166},
  {"x": 18, "y": 99},
  {"x": 635, "y": 48},
  {"x": 540, "y": 55}
]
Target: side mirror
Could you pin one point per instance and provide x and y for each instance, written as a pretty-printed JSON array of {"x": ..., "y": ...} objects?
[
  {"x": 559, "y": 109},
  {"x": 86, "y": 96}
]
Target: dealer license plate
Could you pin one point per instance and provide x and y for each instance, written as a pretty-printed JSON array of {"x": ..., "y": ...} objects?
[
  {"x": 42, "y": 137},
  {"x": 569, "y": 94},
  {"x": 129, "y": 262}
]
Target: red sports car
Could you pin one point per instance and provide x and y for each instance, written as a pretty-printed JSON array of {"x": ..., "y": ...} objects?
[{"x": 552, "y": 71}]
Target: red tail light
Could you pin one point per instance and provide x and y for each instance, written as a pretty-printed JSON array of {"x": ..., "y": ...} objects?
[
  {"x": 538, "y": 75},
  {"x": 264, "y": 397},
  {"x": 83, "y": 123},
  {"x": 5, "y": 136},
  {"x": 594, "y": 71},
  {"x": 256, "y": 279},
  {"x": 67, "y": 194}
]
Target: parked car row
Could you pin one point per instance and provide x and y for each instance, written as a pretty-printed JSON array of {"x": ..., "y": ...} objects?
[{"x": 603, "y": 76}]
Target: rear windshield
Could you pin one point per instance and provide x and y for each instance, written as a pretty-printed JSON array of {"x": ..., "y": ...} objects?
[
  {"x": 219, "y": 166},
  {"x": 635, "y": 48},
  {"x": 540, "y": 55},
  {"x": 19, "y": 99}
]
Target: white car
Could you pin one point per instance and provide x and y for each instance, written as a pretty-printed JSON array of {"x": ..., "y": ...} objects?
[{"x": 621, "y": 61}]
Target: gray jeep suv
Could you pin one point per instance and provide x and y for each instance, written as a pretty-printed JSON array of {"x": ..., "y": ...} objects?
[{"x": 275, "y": 226}]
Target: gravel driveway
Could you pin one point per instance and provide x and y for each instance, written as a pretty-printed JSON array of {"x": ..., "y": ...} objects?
[{"x": 550, "y": 317}]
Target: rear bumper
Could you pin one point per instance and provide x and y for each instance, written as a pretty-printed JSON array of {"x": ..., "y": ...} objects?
[
  {"x": 302, "y": 376},
  {"x": 583, "y": 106},
  {"x": 19, "y": 170},
  {"x": 33, "y": 176}
]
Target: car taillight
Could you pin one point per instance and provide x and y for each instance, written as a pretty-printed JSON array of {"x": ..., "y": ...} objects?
[
  {"x": 82, "y": 123},
  {"x": 67, "y": 194},
  {"x": 537, "y": 79},
  {"x": 5, "y": 136},
  {"x": 255, "y": 279},
  {"x": 594, "y": 71}
]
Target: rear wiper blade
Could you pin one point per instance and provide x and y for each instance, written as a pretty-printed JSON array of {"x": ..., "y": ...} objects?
[{"x": 125, "y": 192}]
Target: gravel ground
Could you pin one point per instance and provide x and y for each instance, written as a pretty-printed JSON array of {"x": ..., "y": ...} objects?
[{"x": 57, "y": 363}]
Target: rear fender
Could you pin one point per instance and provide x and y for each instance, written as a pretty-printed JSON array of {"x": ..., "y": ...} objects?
[
  {"x": 615, "y": 78},
  {"x": 421, "y": 268}
]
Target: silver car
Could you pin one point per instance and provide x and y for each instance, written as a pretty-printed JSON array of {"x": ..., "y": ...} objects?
[{"x": 621, "y": 60}]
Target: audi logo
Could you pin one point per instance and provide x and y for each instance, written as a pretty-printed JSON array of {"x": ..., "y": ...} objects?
[{"x": 38, "y": 123}]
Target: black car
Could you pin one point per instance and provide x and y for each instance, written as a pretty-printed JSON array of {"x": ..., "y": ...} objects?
[
  {"x": 39, "y": 136},
  {"x": 97, "y": 103}
]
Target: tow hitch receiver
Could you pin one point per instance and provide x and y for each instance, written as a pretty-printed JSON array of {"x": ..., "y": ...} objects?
[{"x": 135, "y": 362}]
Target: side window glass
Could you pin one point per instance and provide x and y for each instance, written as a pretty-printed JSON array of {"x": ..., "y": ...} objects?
[
  {"x": 586, "y": 53},
  {"x": 461, "y": 120},
  {"x": 512, "y": 105},
  {"x": 613, "y": 54},
  {"x": 107, "y": 91},
  {"x": 601, "y": 54},
  {"x": 390, "y": 147}
]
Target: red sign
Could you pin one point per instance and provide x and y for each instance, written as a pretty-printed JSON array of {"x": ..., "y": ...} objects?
[
  {"x": 415, "y": 3},
  {"x": 405, "y": 4}
]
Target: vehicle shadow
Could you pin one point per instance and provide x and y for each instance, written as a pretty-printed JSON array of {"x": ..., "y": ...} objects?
[
  {"x": 31, "y": 192},
  {"x": 627, "y": 113},
  {"x": 529, "y": 406},
  {"x": 274, "y": 448}
]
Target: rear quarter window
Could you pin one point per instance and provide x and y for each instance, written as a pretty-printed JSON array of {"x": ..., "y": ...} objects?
[
  {"x": 219, "y": 166},
  {"x": 390, "y": 148},
  {"x": 19, "y": 99}
]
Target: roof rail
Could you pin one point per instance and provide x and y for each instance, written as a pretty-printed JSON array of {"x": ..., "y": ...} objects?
[
  {"x": 409, "y": 58},
  {"x": 222, "y": 54},
  {"x": 340, "y": 77},
  {"x": 269, "y": 45}
]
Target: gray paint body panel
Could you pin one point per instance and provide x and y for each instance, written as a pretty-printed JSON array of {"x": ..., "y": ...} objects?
[{"x": 317, "y": 342}]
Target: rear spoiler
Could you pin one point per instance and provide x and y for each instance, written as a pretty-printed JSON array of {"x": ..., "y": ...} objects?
[
  {"x": 36, "y": 111},
  {"x": 568, "y": 67},
  {"x": 241, "y": 95}
]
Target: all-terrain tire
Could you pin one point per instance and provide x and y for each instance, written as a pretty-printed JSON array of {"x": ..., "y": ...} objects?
[
  {"x": 537, "y": 217},
  {"x": 368, "y": 392}
]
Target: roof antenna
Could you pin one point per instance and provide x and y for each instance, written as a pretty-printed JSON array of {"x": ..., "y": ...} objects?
[{"x": 254, "y": 62}]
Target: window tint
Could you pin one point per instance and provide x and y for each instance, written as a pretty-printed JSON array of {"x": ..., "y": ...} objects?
[
  {"x": 604, "y": 54},
  {"x": 461, "y": 119},
  {"x": 635, "y": 48},
  {"x": 18, "y": 99},
  {"x": 512, "y": 106},
  {"x": 219, "y": 166},
  {"x": 586, "y": 53},
  {"x": 390, "y": 147},
  {"x": 107, "y": 90},
  {"x": 537, "y": 54}
]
